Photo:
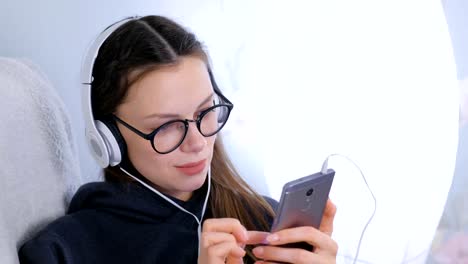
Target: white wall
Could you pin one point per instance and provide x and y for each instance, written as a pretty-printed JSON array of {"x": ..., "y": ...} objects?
[{"x": 309, "y": 78}]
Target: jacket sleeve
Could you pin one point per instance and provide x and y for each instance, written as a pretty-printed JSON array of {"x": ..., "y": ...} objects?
[{"x": 47, "y": 248}]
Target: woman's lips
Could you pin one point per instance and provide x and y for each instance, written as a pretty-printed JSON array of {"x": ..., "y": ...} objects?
[{"x": 192, "y": 168}]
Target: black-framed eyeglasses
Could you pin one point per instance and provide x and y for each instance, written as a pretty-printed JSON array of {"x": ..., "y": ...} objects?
[{"x": 170, "y": 135}]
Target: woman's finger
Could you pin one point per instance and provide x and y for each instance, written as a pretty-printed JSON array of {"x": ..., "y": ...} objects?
[
  {"x": 256, "y": 237},
  {"x": 226, "y": 225},
  {"x": 234, "y": 260},
  {"x": 272, "y": 254},
  {"x": 314, "y": 237},
  {"x": 225, "y": 251},
  {"x": 329, "y": 213},
  {"x": 208, "y": 239}
]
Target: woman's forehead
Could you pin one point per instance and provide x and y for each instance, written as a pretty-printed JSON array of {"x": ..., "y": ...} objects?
[{"x": 178, "y": 87}]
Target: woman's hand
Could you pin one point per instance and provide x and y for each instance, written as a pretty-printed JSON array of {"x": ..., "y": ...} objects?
[
  {"x": 325, "y": 248},
  {"x": 222, "y": 241}
]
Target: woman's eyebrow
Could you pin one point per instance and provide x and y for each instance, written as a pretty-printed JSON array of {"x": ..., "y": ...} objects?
[
  {"x": 168, "y": 115},
  {"x": 206, "y": 100}
]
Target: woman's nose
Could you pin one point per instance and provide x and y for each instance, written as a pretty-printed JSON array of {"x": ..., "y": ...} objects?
[{"x": 194, "y": 141}]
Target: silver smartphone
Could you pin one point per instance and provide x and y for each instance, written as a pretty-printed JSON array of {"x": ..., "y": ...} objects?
[{"x": 303, "y": 201}]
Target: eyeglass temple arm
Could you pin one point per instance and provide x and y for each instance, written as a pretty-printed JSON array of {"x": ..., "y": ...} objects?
[
  {"x": 145, "y": 136},
  {"x": 216, "y": 88}
]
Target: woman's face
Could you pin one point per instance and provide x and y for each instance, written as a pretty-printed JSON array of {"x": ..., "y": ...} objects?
[{"x": 178, "y": 91}]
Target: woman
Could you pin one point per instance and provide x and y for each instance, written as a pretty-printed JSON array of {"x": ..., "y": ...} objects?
[{"x": 153, "y": 86}]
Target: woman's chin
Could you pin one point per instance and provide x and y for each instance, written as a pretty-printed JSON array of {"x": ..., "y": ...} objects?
[{"x": 194, "y": 182}]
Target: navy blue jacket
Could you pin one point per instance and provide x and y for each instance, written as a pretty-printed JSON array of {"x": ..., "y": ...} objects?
[{"x": 120, "y": 223}]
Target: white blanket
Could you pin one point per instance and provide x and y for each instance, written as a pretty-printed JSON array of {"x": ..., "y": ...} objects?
[{"x": 38, "y": 161}]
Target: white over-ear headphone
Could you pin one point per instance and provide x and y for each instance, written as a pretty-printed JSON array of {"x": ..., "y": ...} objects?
[{"x": 104, "y": 142}]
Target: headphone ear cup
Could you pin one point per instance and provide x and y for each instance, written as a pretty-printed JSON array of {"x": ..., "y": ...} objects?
[
  {"x": 98, "y": 147},
  {"x": 116, "y": 146}
]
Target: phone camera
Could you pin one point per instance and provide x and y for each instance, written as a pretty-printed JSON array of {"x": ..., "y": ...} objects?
[{"x": 309, "y": 192}]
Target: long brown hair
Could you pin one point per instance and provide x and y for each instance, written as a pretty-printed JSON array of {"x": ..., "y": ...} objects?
[{"x": 142, "y": 45}]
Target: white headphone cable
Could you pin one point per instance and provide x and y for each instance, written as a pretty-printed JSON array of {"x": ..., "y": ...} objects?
[
  {"x": 324, "y": 170},
  {"x": 199, "y": 221}
]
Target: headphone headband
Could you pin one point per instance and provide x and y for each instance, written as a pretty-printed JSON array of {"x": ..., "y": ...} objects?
[{"x": 98, "y": 136}]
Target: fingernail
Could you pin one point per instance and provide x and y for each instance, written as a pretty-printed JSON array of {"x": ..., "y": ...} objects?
[
  {"x": 258, "y": 251},
  {"x": 272, "y": 238}
]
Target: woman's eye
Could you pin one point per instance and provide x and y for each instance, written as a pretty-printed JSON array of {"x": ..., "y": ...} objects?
[
  {"x": 153, "y": 128},
  {"x": 206, "y": 108},
  {"x": 181, "y": 126}
]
